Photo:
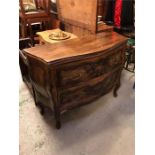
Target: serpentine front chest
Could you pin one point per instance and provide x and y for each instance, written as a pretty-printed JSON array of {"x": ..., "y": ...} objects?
[{"x": 76, "y": 72}]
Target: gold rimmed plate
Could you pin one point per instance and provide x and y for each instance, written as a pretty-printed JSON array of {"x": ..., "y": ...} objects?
[{"x": 59, "y": 36}]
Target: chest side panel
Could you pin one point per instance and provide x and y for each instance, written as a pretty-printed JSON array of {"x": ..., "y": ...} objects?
[{"x": 38, "y": 72}]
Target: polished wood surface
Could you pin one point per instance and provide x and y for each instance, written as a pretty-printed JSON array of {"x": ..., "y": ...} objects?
[
  {"x": 76, "y": 47},
  {"x": 73, "y": 73}
]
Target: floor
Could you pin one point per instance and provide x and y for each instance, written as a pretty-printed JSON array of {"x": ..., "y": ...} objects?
[{"x": 105, "y": 127}]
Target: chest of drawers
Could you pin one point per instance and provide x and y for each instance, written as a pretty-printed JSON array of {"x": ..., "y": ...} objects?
[{"x": 76, "y": 72}]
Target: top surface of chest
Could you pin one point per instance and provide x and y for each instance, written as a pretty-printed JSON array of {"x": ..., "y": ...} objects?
[{"x": 76, "y": 47}]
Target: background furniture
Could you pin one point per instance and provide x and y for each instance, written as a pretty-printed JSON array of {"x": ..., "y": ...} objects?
[
  {"x": 81, "y": 17},
  {"x": 118, "y": 13},
  {"x": 130, "y": 55},
  {"x": 40, "y": 13},
  {"x": 23, "y": 63}
]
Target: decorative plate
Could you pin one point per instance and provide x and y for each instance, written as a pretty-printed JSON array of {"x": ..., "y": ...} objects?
[{"x": 60, "y": 35}]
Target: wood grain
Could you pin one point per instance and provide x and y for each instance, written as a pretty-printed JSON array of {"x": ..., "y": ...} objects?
[
  {"x": 80, "y": 13},
  {"x": 76, "y": 47},
  {"x": 76, "y": 72}
]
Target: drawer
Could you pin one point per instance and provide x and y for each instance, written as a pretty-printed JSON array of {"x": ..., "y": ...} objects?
[
  {"x": 81, "y": 71},
  {"x": 74, "y": 97}
]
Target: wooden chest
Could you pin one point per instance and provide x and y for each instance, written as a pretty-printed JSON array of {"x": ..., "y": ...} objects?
[{"x": 76, "y": 72}]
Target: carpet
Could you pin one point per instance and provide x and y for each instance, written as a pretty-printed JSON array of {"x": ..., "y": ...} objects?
[{"x": 105, "y": 127}]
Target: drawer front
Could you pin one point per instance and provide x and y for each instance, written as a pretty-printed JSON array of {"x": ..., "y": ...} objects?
[
  {"x": 73, "y": 73},
  {"x": 72, "y": 98}
]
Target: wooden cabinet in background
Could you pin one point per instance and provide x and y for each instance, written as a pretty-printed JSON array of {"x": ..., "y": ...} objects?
[{"x": 81, "y": 16}]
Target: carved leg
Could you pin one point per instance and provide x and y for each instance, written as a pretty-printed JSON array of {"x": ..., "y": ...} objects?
[
  {"x": 134, "y": 85},
  {"x": 31, "y": 34},
  {"x": 57, "y": 119},
  {"x": 34, "y": 96},
  {"x": 23, "y": 30},
  {"x": 42, "y": 110},
  {"x": 116, "y": 89},
  {"x": 58, "y": 124},
  {"x": 37, "y": 103},
  {"x": 117, "y": 85}
]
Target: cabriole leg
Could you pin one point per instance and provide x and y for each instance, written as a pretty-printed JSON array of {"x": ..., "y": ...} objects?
[
  {"x": 57, "y": 119},
  {"x": 58, "y": 124},
  {"x": 117, "y": 85},
  {"x": 42, "y": 110}
]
